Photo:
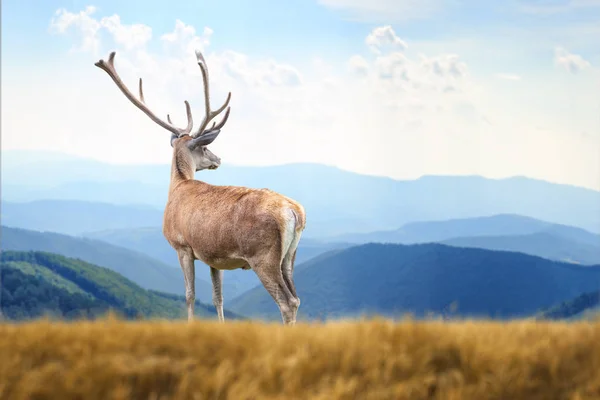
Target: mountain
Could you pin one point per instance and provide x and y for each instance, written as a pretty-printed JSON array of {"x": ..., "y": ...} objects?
[
  {"x": 145, "y": 271},
  {"x": 151, "y": 241},
  {"x": 392, "y": 279},
  {"x": 583, "y": 306},
  {"x": 336, "y": 201},
  {"x": 543, "y": 244},
  {"x": 498, "y": 232},
  {"x": 35, "y": 284},
  {"x": 74, "y": 217},
  {"x": 494, "y": 225}
]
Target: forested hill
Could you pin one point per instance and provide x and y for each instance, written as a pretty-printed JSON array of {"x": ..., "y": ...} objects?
[
  {"x": 146, "y": 271},
  {"x": 583, "y": 306},
  {"x": 35, "y": 284}
]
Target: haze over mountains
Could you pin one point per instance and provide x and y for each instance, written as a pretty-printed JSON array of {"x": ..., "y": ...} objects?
[
  {"x": 503, "y": 248},
  {"x": 337, "y": 201},
  {"x": 498, "y": 232},
  {"x": 501, "y": 224},
  {"x": 73, "y": 217}
]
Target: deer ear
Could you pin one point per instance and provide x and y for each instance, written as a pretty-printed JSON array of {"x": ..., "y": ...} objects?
[
  {"x": 203, "y": 140},
  {"x": 173, "y": 137}
]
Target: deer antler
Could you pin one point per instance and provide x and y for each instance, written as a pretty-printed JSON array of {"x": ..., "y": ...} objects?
[
  {"x": 209, "y": 114},
  {"x": 139, "y": 103}
]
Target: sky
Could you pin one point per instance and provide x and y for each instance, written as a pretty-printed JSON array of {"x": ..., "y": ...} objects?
[{"x": 399, "y": 88}]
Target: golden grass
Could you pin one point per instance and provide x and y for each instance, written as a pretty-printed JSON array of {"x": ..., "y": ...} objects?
[{"x": 374, "y": 359}]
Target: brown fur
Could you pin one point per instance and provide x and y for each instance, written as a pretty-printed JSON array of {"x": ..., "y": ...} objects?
[{"x": 224, "y": 226}]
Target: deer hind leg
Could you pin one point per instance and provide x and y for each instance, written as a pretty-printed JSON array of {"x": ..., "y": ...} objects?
[
  {"x": 268, "y": 270},
  {"x": 217, "y": 282},
  {"x": 186, "y": 261},
  {"x": 287, "y": 269}
]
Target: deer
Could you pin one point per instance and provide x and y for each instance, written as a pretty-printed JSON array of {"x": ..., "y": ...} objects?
[{"x": 226, "y": 227}]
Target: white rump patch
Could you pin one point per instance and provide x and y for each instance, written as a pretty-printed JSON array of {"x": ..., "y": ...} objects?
[{"x": 289, "y": 236}]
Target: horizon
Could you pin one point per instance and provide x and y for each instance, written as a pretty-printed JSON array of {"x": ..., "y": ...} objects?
[
  {"x": 227, "y": 165},
  {"x": 436, "y": 89}
]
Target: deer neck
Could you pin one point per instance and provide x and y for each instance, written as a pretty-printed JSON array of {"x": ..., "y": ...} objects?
[{"x": 182, "y": 167}]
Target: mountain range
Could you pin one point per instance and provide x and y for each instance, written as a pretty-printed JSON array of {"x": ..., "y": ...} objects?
[
  {"x": 348, "y": 280},
  {"x": 498, "y": 232},
  {"x": 336, "y": 201},
  {"x": 442, "y": 244}
]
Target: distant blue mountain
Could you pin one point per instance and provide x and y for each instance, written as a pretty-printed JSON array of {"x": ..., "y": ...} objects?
[
  {"x": 336, "y": 201},
  {"x": 73, "y": 217},
  {"x": 543, "y": 244},
  {"x": 498, "y": 232},
  {"x": 494, "y": 225}
]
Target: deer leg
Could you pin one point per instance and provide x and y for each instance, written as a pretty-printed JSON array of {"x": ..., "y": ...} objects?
[
  {"x": 189, "y": 275},
  {"x": 217, "y": 282},
  {"x": 271, "y": 277},
  {"x": 287, "y": 269}
]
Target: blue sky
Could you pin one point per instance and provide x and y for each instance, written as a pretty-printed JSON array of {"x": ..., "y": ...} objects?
[
  {"x": 273, "y": 28},
  {"x": 389, "y": 87}
]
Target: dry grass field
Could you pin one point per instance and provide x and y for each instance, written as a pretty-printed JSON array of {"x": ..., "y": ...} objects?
[{"x": 370, "y": 359}]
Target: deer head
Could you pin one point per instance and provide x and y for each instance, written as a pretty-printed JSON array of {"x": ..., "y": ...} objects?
[{"x": 191, "y": 146}]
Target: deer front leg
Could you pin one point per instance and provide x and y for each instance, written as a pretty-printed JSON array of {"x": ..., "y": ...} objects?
[
  {"x": 189, "y": 275},
  {"x": 217, "y": 283}
]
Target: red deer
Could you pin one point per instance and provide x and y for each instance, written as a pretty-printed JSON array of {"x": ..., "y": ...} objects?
[{"x": 226, "y": 227}]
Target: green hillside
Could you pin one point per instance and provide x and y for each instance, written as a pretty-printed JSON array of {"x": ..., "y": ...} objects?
[
  {"x": 392, "y": 279},
  {"x": 35, "y": 284},
  {"x": 145, "y": 271}
]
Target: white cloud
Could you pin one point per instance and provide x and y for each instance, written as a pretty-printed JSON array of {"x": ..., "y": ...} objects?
[
  {"x": 262, "y": 73},
  {"x": 183, "y": 40},
  {"x": 400, "y": 77},
  {"x": 358, "y": 65},
  {"x": 508, "y": 77},
  {"x": 87, "y": 26},
  {"x": 383, "y": 37},
  {"x": 128, "y": 36},
  {"x": 569, "y": 61}
]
